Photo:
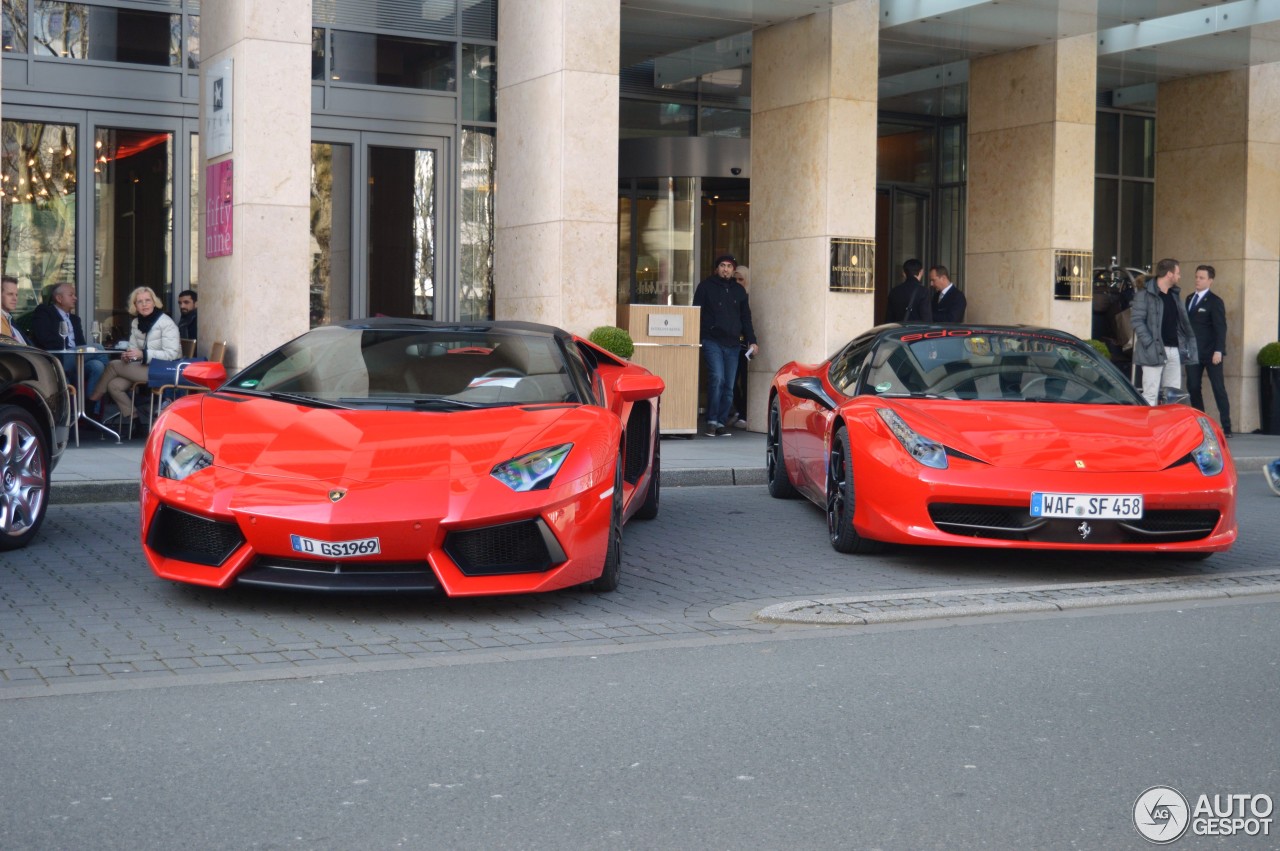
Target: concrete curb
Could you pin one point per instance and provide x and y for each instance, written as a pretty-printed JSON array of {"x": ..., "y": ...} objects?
[{"x": 962, "y": 602}]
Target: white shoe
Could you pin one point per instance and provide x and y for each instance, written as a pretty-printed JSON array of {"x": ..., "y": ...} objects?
[{"x": 740, "y": 424}]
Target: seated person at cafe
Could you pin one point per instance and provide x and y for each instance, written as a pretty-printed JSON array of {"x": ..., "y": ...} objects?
[
  {"x": 46, "y": 324},
  {"x": 154, "y": 336}
]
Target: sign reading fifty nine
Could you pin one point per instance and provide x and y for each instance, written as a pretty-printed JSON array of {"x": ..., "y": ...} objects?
[{"x": 853, "y": 264}]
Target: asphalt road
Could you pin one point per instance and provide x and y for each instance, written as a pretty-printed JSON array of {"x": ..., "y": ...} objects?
[
  {"x": 79, "y": 610},
  {"x": 1009, "y": 733}
]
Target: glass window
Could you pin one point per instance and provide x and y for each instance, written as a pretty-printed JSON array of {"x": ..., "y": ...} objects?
[
  {"x": 402, "y": 232},
  {"x": 846, "y": 368},
  {"x": 193, "y": 42},
  {"x": 664, "y": 220},
  {"x": 1107, "y": 143},
  {"x": 475, "y": 266},
  {"x": 387, "y": 60},
  {"x": 734, "y": 123},
  {"x": 318, "y": 52},
  {"x": 15, "y": 26},
  {"x": 193, "y": 257},
  {"x": 38, "y": 212},
  {"x": 77, "y": 31},
  {"x": 1138, "y": 145},
  {"x": 643, "y": 118},
  {"x": 133, "y": 222},
  {"x": 905, "y": 155},
  {"x": 952, "y": 153},
  {"x": 1137, "y": 206},
  {"x": 330, "y": 233},
  {"x": 951, "y": 232},
  {"x": 478, "y": 83},
  {"x": 1106, "y": 207}
]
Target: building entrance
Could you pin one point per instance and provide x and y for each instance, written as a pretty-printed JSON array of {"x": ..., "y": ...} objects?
[{"x": 902, "y": 232}]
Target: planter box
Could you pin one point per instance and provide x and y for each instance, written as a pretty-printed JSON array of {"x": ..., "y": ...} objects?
[{"x": 1269, "y": 397}]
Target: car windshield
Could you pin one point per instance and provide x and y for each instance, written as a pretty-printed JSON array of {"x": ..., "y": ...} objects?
[
  {"x": 425, "y": 368},
  {"x": 995, "y": 365}
]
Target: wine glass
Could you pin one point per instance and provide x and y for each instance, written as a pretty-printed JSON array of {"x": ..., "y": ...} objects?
[
  {"x": 64, "y": 328},
  {"x": 97, "y": 333}
]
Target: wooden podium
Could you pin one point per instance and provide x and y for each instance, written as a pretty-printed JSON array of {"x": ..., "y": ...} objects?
[{"x": 666, "y": 338}]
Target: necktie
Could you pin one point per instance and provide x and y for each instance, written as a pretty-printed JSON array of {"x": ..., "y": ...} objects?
[
  {"x": 5, "y": 327},
  {"x": 1195, "y": 301}
]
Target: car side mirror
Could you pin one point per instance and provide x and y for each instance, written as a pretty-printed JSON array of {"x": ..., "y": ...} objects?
[
  {"x": 205, "y": 373},
  {"x": 811, "y": 389},
  {"x": 633, "y": 388},
  {"x": 1174, "y": 396}
]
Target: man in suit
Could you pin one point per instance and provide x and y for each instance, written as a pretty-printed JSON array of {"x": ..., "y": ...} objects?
[
  {"x": 909, "y": 301},
  {"x": 1208, "y": 315},
  {"x": 948, "y": 302},
  {"x": 45, "y": 331}
]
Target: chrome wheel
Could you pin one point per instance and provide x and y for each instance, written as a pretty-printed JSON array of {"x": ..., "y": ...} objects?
[{"x": 24, "y": 477}]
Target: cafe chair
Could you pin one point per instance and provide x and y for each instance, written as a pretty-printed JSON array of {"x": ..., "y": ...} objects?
[
  {"x": 75, "y": 411},
  {"x": 188, "y": 347},
  {"x": 217, "y": 353}
]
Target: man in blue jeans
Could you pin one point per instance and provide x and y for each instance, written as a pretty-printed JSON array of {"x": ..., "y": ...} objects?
[{"x": 726, "y": 322}]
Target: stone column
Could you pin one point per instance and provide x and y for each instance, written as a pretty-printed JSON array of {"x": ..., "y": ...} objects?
[
  {"x": 1030, "y": 183},
  {"x": 1217, "y": 185},
  {"x": 813, "y": 178},
  {"x": 258, "y": 297},
  {"x": 556, "y": 204}
]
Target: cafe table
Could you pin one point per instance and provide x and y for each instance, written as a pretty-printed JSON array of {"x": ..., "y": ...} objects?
[{"x": 82, "y": 392}]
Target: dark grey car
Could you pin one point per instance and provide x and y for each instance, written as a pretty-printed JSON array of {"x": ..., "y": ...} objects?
[{"x": 35, "y": 419}]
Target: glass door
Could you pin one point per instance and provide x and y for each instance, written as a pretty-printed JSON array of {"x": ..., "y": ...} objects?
[
  {"x": 902, "y": 232},
  {"x": 133, "y": 221},
  {"x": 382, "y": 239}
]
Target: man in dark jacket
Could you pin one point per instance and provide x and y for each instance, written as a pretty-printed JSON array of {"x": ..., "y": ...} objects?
[
  {"x": 949, "y": 302},
  {"x": 909, "y": 300},
  {"x": 725, "y": 322},
  {"x": 46, "y": 332},
  {"x": 1208, "y": 315}
]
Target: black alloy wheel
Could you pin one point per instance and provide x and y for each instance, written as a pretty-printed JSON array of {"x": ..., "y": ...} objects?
[
  {"x": 841, "y": 501},
  {"x": 780, "y": 486}
]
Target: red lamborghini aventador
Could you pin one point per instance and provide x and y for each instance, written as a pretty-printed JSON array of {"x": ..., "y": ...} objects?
[
  {"x": 389, "y": 454},
  {"x": 995, "y": 437}
]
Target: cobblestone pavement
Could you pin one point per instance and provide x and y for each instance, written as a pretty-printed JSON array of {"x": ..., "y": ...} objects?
[{"x": 80, "y": 611}]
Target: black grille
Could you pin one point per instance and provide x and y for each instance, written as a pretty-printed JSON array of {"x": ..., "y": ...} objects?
[
  {"x": 1016, "y": 524},
  {"x": 349, "y": 576},
  {"x": 526, "y": 546},
  {"x": 190, "y": 537},
  {"x": 638, "y": 443}
]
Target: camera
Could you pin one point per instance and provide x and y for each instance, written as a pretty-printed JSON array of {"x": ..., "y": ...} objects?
[{"x": 735, "y": 171}]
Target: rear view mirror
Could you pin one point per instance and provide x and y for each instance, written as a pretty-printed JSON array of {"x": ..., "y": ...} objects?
[
  {"x": 633, "y": 388},
  {"x": 1174, "y": 396}
]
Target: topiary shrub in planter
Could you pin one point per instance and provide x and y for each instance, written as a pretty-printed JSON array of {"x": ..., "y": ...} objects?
[
  {"x": 614, "y": 340},
  {"x": 1269, "y": 387},
  {"x": 1102, "y": 348}
]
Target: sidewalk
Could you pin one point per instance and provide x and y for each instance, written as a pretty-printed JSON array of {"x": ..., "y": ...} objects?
[{"x": 102, "y": 471}]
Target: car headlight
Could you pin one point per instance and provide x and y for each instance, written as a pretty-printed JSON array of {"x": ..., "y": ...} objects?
[
  {"x": 1208, "y": 455},
  {"x": 181, "y": 456},
  {"x": 534, "y": 471},
  {"x": 928, "y": 452}
]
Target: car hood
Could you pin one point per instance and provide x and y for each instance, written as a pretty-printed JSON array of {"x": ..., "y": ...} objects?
[
  {"x": 1045, "y": 436},
  {"x": 272, "y": 438}
]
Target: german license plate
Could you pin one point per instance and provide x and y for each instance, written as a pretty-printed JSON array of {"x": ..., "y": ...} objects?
[
  {"x": 335, "y": 549},
  {"x": 1091, "y": 506}
]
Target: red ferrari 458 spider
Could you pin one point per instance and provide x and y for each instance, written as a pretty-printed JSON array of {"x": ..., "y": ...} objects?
[
  {"x": 995, "y": 437},
  {"x": 389, "y": 454}
]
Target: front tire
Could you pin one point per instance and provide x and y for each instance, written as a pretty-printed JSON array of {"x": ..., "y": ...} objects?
[
  {"x": 841, "y": 503},
  {"x": 24, "y": 477},
  {"x": 609, "y": 574},
  {"x": 775, "y": 468}
]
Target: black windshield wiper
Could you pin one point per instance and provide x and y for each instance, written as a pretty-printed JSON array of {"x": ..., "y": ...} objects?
[
  {"x": 445, "y": 402},
  {"x": 292, "y": 398}
]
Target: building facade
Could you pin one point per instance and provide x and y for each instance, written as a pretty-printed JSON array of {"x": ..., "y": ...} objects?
[{"x": 305, "y": 161}]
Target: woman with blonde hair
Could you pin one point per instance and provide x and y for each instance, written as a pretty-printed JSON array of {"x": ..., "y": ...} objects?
[{"x": 154, "y": 336}]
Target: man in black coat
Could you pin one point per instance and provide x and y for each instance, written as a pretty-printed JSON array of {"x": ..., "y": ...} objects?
[
  {"x": 726, "y": 323},
  {"x": 1208, "y": 315},
  {"x": 909, "y": 301},
  {"x": 46, "y": 332},
  {"x": 949, "y": 302}
]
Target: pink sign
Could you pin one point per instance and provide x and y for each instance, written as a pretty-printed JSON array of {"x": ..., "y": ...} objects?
[{"x": 218, "y": 185}]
